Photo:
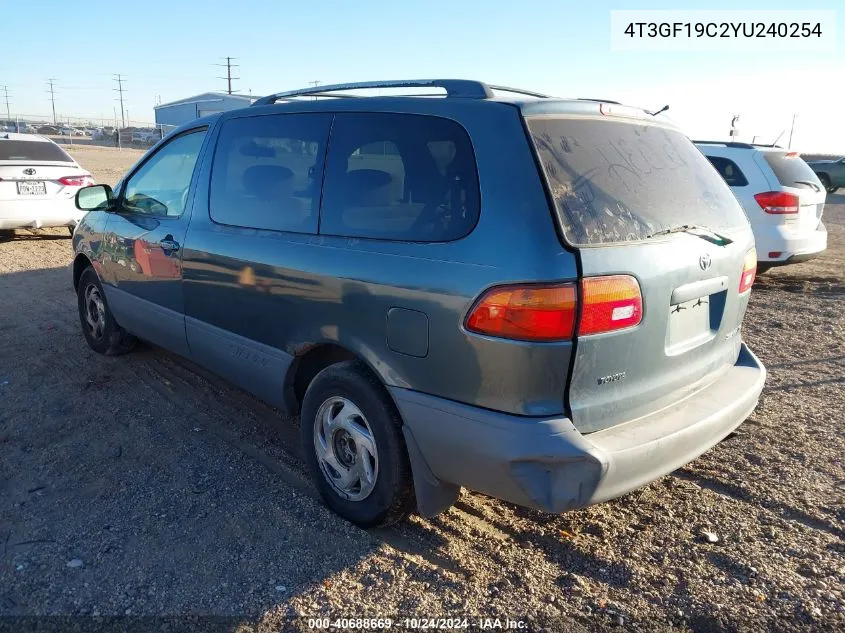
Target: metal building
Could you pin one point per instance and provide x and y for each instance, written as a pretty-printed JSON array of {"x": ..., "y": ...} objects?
[{"x": 184, "y": 110}]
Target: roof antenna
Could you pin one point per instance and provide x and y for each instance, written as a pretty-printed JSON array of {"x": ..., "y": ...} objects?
[
  {"x": 775, "y": 142},
  {"x": 660, "y": 111}
]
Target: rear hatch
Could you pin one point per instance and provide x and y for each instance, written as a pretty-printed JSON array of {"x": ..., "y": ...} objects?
[
  {"x": 32, "y": 170},
  {"x": 618, "y": 182},
  {"x": 788, "y": 172}
]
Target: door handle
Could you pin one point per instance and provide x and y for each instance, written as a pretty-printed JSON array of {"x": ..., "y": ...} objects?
[{"x": 168, "y": 244}]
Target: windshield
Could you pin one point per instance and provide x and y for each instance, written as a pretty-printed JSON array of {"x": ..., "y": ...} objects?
[{"x": 621, "y": 181}]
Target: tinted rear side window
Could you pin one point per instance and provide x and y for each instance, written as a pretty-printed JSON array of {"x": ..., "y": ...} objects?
[
  {"x": 32, "y": 151},
  {"x": 399, "y": 177},
  {"x": 621, "y": 181},
  {"x": 790, "y": 169},
  {"x": 729, "y": 171},
  {"x": 267, "y": 172}
]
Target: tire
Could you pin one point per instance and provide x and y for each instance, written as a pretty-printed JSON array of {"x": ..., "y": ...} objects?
[
  {"x": 763, "y": 268},
  {"x": 369, "y": 413},
  {"x": 102, "y": 332}
]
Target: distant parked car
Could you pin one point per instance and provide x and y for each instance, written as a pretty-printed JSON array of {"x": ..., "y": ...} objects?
[
  {"x": 144, "y": 136},
  {"x": 51, "y": 130},
  {"x": 38, "y": 183},
  {"x": 539, "y": 299},
  {"x": 71, "y": 131},
  {"x": 782, "y": 197},
  {"x": 831, "y": 173}
]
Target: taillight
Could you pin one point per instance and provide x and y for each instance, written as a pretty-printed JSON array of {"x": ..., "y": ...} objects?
[
  {"x": 531, "y": 313},
  {"x": 749, "y": 271},
  {"x": 547, "y": 313},
  {"x": 777, "y": 202},
  {"x": 76, "y": 181},
  {"x": 609, "y": 304}
]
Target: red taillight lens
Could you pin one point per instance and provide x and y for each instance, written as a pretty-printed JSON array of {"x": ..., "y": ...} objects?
[
  {"x": 749, "y": 271},
  {"x": 777, "y": 202},
  {"x": 76, "y": 181},
  {"x": 610, "y": 303},
  {"x": 530, "y": 313}
]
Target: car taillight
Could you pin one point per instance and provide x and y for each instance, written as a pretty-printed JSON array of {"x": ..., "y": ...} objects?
[
  {"x": 609, "y": 304},
  {"x": 547, "y": 313},
  {"x": 76, "y": 181},
  {"x": 530, "y": 313},
  {"x": 749, "y": 271},
  {"x": 777, "y": 202}
]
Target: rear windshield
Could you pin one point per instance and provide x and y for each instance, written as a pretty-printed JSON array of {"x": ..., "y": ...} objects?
[
  {"x": 32, "y": 151},
  {"x": 621, "y": 181},
  {"x": 790, "y": 169}
]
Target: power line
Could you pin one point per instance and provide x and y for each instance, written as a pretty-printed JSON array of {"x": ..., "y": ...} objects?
[
  {"x": 53, "y": 98},
  {"x": 229, "y": 65},
  {"x": 119, "y": 79}
]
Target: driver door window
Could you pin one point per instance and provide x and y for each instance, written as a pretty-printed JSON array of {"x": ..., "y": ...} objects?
[{"x": 160, "y": 186}]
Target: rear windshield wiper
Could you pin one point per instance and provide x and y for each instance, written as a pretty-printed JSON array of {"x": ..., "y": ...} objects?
[
  {"x": 695, "y": 229},
  {"x": 808, "y": 182}
]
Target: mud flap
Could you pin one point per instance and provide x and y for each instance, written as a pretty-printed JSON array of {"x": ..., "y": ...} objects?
[{"x": 433, "y": 495}]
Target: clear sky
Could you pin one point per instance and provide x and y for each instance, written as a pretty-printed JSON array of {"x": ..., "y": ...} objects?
[{"x": 167, "y": 49}]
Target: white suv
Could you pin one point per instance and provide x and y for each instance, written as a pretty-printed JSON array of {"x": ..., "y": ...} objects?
[{"x": 782, "y": 197}]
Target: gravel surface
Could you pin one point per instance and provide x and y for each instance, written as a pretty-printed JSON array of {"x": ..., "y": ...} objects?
[{"x": 142, "y": 485}]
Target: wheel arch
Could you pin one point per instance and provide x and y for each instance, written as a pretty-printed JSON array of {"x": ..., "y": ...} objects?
[
  {"x": 309, "y": 360},
  {"x": 80, "y": 263}
]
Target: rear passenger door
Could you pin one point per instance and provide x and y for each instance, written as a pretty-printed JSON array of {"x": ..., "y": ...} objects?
[{"x": 250, "y": 268}]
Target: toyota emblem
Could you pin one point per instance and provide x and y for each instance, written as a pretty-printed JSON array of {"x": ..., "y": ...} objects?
[
  {"x": 704, "y": 261},
  {"x": 29, "y": 171}
]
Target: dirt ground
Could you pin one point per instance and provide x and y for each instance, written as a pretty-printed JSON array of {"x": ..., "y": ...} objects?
[{"x": 141, "y": 485}]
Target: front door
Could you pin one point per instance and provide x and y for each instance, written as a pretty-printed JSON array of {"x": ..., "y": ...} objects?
[{"x": 142, "y": 267}]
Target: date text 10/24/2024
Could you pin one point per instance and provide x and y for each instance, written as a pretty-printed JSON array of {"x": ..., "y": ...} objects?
[{"x": 474, "y": 624}]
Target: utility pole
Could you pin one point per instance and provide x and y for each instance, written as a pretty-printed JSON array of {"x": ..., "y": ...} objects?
[
  {"x": 119, "y": 79},
  {"x": 315, "y": 83},
  {"x": 734, "y": 129},
  {"x": 229, "y": 66},
  {"x": 791, "y": 129},
  {"x": 52, "y": 98},
  {"x": 8, "y": 115}
]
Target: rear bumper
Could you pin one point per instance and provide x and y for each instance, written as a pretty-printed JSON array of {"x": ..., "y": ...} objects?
[
  {"x": 546, "y": 463},
  {"x": 39, "y": 213},
  {"x": 793, "y": 246}
]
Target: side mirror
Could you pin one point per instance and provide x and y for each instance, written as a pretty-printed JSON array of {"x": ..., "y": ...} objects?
[{"x": 95, "y": 198}]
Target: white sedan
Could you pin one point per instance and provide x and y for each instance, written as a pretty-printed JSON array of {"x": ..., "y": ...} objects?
[{"x": 38, "y": 183}]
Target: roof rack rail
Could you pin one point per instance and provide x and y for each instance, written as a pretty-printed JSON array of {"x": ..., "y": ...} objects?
[
  {"x": 466, "y": 88},
  {"x": 519, "y": 91},
  {"x": 599, "y": 100},
  {"x": 453, "y": 87}
]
